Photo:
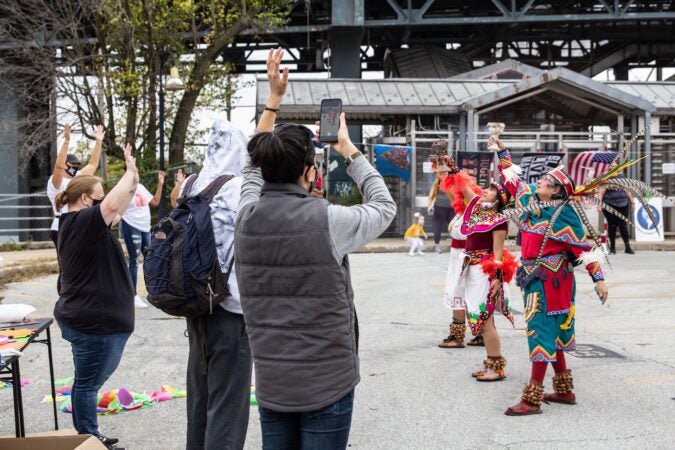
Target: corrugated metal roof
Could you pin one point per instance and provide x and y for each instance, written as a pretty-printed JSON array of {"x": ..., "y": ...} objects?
[
  {"x": 378, "y": 97},
  {"x": 660, "y": 93},
  {"x": 372, "y": 99},
  {"x": 566, "y": 82}
]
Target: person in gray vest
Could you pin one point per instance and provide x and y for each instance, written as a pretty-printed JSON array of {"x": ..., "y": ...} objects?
[
  {"x": 219, "y": 362},
  {"x": 294, "y": 280}
]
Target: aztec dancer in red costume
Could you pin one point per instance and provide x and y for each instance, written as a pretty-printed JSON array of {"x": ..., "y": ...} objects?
[{"x": 487, "y": 266}]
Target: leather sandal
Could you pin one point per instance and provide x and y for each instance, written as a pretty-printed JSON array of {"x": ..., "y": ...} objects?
[
  {"x": 456, "y": 337},
  {"x": 530, "y": 401},
  {"x": 478, "y": 341},
  {"x": 563, "y": 383}
]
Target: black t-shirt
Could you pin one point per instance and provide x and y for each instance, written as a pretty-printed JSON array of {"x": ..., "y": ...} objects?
[{"x": 96, "y": 295}]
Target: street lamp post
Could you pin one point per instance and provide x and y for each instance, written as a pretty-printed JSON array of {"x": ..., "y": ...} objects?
[{"x": 174, "y": 83}]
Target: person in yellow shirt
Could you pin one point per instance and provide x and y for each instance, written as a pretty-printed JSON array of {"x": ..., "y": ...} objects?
[{"x": 414, "y": 236}]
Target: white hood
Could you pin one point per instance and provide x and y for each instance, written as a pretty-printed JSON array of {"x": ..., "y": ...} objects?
[{"x": 225, "y": 155}]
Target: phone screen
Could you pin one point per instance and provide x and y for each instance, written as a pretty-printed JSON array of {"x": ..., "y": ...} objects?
[{"x": 330, "y": 119}]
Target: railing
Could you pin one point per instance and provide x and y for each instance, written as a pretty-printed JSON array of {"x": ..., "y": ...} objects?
[
  {"x": 534, "y": 141},
  {"x": 25, "y": 217}
]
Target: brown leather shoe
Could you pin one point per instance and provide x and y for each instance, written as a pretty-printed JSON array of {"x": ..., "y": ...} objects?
[
  {"x": 563, "y": 383},
  {"x": 568, "y": 398},
  {"x": 522, "y": 408},
  {"x": 530, "y": 401}
]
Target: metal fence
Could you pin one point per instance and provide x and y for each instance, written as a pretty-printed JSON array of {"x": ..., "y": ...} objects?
[
  {"x": 25, "y": 217},
  {"x": 570, "y": 144}
]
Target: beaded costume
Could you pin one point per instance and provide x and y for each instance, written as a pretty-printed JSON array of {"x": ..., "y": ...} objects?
[{"x": 546, "y": 275}]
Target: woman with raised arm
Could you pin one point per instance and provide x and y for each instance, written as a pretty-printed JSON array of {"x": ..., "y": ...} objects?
[
  {"x": 95, "y": 309},
  {"x": 66, "y": 167},
  {"x": 487, "y": 266},
  {"x": 553, "y": 241}
]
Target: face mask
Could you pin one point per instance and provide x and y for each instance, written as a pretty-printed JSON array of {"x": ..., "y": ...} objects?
[
  {"x": 72, "y": 171},
  {"x": 95, "y": 201}
]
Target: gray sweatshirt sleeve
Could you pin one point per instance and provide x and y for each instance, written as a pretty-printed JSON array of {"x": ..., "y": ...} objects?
[
  {"x": 351, "y": 227},
  {"x": 251, "y": 186}
]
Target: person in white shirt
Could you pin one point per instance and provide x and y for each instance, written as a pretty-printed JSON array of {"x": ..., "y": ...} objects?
[
  {"x": 135, "y": 228},
  {"x": 66, "y": 167}
]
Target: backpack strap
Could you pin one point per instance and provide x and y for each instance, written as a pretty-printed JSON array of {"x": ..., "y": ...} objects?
[
  {"x": 212, "y": 189},
  {"x": 187, "y": 186}
]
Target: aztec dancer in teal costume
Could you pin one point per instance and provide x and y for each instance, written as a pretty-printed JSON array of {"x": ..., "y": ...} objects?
[{"x": 553, "y": 241}]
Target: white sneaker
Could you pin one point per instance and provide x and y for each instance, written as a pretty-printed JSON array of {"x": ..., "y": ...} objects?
[
  {"x": 420, "y": 252},
  {"x": 411, "y": 254},
  {"x": 139, "y": 303}
]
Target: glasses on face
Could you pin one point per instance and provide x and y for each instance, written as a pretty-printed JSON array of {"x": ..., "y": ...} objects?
[{"x": 548, "y": 180}]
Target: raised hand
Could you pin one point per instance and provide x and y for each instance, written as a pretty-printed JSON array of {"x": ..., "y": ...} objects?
[
  {"x": 99, "y": 133},
  {"x": 161, "y": 175},
  {"x": 278, "y": 80},
  {"x": 66, "y": 132},
  {"x": 130, "y": 160},
  {"x": 344, "y": 145},
  {"x": 180, "y": 176}
]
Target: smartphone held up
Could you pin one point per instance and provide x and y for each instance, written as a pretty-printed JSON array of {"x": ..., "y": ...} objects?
[{"x": 329, "y": 124}]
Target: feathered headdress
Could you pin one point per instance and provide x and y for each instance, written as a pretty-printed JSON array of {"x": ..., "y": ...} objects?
[{"x": 608, "y": 180}]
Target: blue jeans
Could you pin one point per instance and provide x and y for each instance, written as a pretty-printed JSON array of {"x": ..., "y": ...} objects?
[
  {"x": 325, "y": 429},
  {"x": 135, "y": 240},
  {"x": 95, "y": 356}
]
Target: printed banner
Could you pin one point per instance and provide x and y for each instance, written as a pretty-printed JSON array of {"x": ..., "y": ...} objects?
[
  {"x": 476, "y": 164},
  {"x": 644, "y": 227},
  {"x": 535, "y": 165},
  {"x": 393, "y": 161}
]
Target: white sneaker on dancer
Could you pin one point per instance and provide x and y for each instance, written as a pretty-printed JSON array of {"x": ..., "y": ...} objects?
[
  {"x": 411, "y": 253},
  {"x": 139, "y": 303}
]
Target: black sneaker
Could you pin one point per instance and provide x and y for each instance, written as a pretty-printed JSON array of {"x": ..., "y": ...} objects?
[
  {"x": 630, "y": 251},
  {"x": 108, "y": 442}
]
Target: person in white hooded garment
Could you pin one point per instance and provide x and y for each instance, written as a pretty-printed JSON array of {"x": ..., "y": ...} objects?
[{"x": 219, "y": 363}]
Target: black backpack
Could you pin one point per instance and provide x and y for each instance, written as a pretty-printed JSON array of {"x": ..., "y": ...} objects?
[{"x": 181, "y": 268}]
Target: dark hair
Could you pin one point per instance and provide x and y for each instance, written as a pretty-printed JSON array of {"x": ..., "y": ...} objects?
[
  {"x": 283, "y": 154},
  {"x": 503, "y": 195}
]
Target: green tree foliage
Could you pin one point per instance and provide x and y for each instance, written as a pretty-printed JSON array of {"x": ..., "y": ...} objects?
[{"x": 105, "y": 58}]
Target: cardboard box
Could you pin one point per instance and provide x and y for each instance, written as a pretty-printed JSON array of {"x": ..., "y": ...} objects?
[{"x": 53, "y": 440}]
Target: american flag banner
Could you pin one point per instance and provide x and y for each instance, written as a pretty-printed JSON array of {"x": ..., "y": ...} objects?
[{"x": 590, "y": 164}]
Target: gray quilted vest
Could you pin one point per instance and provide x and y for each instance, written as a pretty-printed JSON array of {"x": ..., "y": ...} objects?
[{"x": 297, "y": 301}]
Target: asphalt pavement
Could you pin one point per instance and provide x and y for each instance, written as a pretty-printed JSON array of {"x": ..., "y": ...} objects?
[{"x": 412, "y": 394}]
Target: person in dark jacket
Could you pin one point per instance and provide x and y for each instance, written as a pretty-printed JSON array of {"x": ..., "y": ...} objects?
[
  {"x": 620, "y": 200},
  {"x": 294, "y": 280},
  {"x": 438, "y": 204}
]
